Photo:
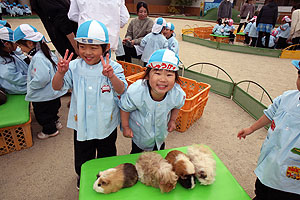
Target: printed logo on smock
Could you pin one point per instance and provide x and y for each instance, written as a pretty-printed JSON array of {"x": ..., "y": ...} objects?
[
  {"x": 293, "y": 172},
  {"x": 162, "y": 66},
  {"x": 105, "y": 88},
  {"x": 273, "y": 126}
]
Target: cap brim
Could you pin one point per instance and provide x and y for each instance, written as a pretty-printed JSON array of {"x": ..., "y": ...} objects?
[
  {"x": 296, "y": 63},
  {"x": 157, "y": 28},
  {"x": 89, "y": 41}
]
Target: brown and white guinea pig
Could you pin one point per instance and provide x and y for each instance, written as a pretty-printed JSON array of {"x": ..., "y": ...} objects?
[
  {"x": 183, "y": 168},
  {"x": 113, "y": 179},
  {"x": 155, "y": 171},
  {"x": 204, "y": 162}
]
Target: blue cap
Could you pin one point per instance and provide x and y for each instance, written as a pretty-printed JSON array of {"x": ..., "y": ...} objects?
[
  {"x": 170, "y": 26},
  {"x": 158, "y": 25},
  {"x": 164, "y": 59},
  {"x": 28, "y": 32},
  {"x": 6, "y": 34},
  {"x": 92, "y": 32},
  {"x": 296, "y": 63},
  {"x": 3, "y": 22}
]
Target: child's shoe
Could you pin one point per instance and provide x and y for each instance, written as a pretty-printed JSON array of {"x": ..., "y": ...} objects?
[
  {"x": 58, "y": 125},
  {"x": 43, "y": 136}
]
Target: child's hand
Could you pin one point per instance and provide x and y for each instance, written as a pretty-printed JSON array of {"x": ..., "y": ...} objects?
[
  {"x": 107, "y": 71},
  {"x": 63, "y": 64},
  {"x": 244, "y": 132},
  {"x": 171, "y": 126},
  {"x": 127, "y": 132}
]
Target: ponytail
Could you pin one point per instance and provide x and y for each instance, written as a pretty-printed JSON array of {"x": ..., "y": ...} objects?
[{"x": 47, "y": 52}]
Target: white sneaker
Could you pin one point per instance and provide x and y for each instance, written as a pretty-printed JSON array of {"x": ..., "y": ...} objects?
[
  {"x": 58, "y": 125},
  {"x": 43, "y": 136}
]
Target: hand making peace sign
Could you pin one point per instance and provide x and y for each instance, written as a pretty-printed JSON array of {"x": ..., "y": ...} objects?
[
  {"x": 63, "y": 64},
  {"x": 108, "y": 71}
]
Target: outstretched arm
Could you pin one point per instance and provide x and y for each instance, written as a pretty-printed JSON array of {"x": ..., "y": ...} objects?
[
  {"x": 127, "y": 132},
  {"x": 261, "y": 122},
  {"x": 62, "y": 68}
]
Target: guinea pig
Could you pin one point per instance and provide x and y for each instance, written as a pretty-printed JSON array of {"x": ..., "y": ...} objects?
[
  {"x": 113, "y": 179},
  {"x": 183, "y": 168}
]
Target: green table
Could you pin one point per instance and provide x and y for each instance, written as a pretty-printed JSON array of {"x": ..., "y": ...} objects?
[{"x": 224, "y": 188}]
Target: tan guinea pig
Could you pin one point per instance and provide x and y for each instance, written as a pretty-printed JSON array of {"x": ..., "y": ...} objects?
[{"x": 114, "y": 179}]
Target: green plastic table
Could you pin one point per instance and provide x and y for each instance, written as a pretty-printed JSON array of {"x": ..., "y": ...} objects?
[
  {"x": 225, "y": 186},
  {"x": 15, "y": 111}
]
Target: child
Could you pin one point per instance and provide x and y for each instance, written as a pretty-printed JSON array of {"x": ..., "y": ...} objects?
[
  {"x": 278, "y": 166},
  {"x": 96, "y": 83},
  {"x": 154, "y": 40},
  {"x": 151, "y": 105},
  {"x": 13, "y": 69},
  {"x": 247, "y": 30},
  {"x": 170, "y": 35},
  {"x": 45, "y": 101},
  {"x": 253, "y": 34},
  {"x": 218, "y": 28},
  {"x": 284, "y": 33},
  {"x": 229, "y": 29}
]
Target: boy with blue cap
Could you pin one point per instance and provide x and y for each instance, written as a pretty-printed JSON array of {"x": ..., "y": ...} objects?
[
  {"x": 170, "y": 35},
  {"x": 150, "y": 105},
  {"x": 96, "y": 82},
  {"x": 278, "y": 168},
  {"x": 154, "y": 40},
  {"x": 13, "y": 73}
]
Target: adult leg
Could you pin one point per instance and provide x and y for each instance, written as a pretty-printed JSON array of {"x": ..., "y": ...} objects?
[
  {"x": 107, "y": 147},
  {"x": 129, "y": 52},
  {"x": 240, "y": 27},
  {"x": 267, "y": 40},
  {"x": 259, "y": 39},
  {"x": 247, "y": 39}
]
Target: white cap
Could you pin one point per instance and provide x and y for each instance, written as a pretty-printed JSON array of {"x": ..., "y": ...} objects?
[
  {"x": 6, "y": 34},
  {"x": 164, "y": 59},
  {"x": 28, "y": 32},
  {"x": 158, "y": 25}
]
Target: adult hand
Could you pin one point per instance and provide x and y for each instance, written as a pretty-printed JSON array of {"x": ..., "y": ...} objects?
[
  {"x": 63, "y": 64},
  {"x": 125, "y": 40},
  {"x": 132, "y": 42},
  {"x": 107, "y": 71}
]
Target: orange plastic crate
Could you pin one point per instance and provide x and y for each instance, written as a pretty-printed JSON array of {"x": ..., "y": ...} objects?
[
  {"x": 203, "y": 32},
  {"x": 187, "y": 117},
  {"x": 195, "y": 91},
  {"x": 130, "y": 69}
]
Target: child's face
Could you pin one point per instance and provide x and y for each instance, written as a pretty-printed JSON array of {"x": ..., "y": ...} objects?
[
  {"x": 90, "y": 53},
  {"x": 298, "y": 82},
  {"x": 168, "y": 33},
  {"x": 28, "y": 47},
  {"x": 161, "y": 81}
]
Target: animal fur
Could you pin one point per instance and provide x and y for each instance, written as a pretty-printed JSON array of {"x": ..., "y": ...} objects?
[
  {"x": 113, "y": 179},
  {"x": 155, "y": 171},
  {"x": 183, "y": 168},
  {"x": 204, "y": 162}
]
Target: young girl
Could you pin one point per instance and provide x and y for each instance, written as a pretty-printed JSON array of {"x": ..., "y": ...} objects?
[
  {"x": 229, "y": 29},
  {"x": 13, "y": 69},
  {"x": 247, "y": 30},
  {"x": 284, "y": 33},
  {"x": 45, "y": 101},
  {"x": 170, "y": 35},
  {"x": 218, "y": 28},
  {"x": 154, "y": 40},
  {"x": 151, "y": 105},
  {"x": 96, "y": 83}
]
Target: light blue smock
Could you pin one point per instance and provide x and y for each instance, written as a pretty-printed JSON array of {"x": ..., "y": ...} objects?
[
  {"x": 272, "y": 41},
  {"x": 247, "y": 29},
  {"x": 286, "y": 33},
  {"x": 228, "y": 29},
  {"x": 152, "y": 42},
  {"x": 13, "y": 75},
  {"x": 276, "y": 161},
  {"x": 148, "y": 118},
  {"x": 39, "y": 79},
  {"x": 253, "y": 32},
  {"x": 217, "y": 30},
  {"x": 173, "y": 45},
  {"x": 94, "y": 111}
]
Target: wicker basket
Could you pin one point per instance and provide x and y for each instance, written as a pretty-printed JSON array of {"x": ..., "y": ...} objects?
[
  {"x": 15, "y": 138},
  {"x": 187, "y": 117}
]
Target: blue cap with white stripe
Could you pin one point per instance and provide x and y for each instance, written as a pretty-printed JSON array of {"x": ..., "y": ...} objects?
[
  {"x": 170, "y": 26},
  {"x": 6, "y": 34},
  {"x": 28, "y": 32},
  {"x": 296, "y": 63},
  {"x": 164, "y": 59},
  {"x": 92, "y": 32},
  {"x": 158, "y": 25}
]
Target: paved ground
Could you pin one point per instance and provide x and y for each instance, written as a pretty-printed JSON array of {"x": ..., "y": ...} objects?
[{"x": 45, "y": 171}]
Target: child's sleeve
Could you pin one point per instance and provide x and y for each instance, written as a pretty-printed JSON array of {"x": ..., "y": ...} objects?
[
  {"x": 119, "y": 72},
  {"x": 41, "y": 71},
  {"x": 127, "y": 101},
  {"x": 10, "y": 74},
  {"x": 272, "y": 109},
  {"x": 166, "y": 44},
  {"x": 144, "y": 41},
  {"x": 181, "y": 96}
]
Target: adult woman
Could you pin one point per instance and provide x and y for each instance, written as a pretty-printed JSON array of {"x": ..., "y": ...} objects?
[
  {"x": 295, "y": 26},
  {"x": 137, "y": 29},
  {"x": 247, "y": 12},
  {"x": 266, "y": 21}
]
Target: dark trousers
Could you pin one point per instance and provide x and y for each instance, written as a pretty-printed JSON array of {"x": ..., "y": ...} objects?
[
  {"x": 46, "y": 114},
  {"x": 231, "y": 37},
  {"x": 136, "y": 149},
  {"x": 281, "y": 44},
  {"x": 253, "y": 41},
  {"x": 247, "y": 39},
  {"x": 296, "y": 41},
  {"x": 240, "y": 26},
  {"x": 87, "y": 150},
  {"x": 259, "y": 39},
  {"x": 264, "y": 192},
  {"x": 129, "y": 52}
]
